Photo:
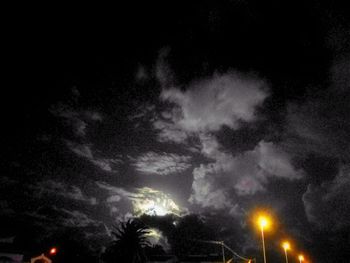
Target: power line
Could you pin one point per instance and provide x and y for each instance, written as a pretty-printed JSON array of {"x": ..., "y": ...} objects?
[{"x": 221, "y": 243}]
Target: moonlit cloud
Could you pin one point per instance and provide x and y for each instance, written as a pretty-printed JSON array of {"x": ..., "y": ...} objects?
[
  {"x": 154, "y": 202},
  {"x": 224, "y": 99},
  {"x": 246, "y": 173},
  {"x": 156, "y": 237},
  {"x": 55, "y": 217},
  {"x": 162, "y": 164},
  {"x": 168, "y": 131},
  {"x": 143, "y": 200},
  {"x": 50, "y": 187},
  {"x": 84, "y": 150},
  {"x": 77, "y": 218}
]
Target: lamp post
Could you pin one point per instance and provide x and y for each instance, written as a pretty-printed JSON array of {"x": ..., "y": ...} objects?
[
  {"x": 263, "y": 223},
  {"x": 301, "y": 258},
  {"x": 286, "y": 246}
]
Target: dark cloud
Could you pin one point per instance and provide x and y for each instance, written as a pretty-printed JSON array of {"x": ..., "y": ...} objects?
[
  {"x": 224, "y": 106},
  {"x": 54, "y": 188},
  {"x": 327, "y": 205},
  {"x": 84, "y": 150},
  {"x": 77, "y": 120}
]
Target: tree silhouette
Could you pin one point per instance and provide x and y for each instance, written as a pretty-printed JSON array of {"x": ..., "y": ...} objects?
[{"x": 129, "y": 244}]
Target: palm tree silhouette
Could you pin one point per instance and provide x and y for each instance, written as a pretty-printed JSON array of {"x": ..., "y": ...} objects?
[{"x": 128, "y": 246}]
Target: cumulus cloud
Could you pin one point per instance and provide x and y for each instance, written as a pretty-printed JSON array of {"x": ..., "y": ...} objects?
[
  {"x": 224, "y": 99},
  {"x": 246, "y": 173},
  {"x": 162, "y": 164},
  {"x": 202, "y": 109},
  {"x": 51, "y": 187},
  {"x": 84, "y": 150},
  {"x": 328, "y": 205}
]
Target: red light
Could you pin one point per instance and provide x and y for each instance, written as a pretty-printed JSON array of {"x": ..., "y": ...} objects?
[{"x": 53, "y": 251}]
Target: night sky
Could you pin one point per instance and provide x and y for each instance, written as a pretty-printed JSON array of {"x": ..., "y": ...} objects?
[{"x": 214, "y": 108}]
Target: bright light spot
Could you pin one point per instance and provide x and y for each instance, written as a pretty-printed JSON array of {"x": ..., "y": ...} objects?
[
  {"x": 53, "y": 251},
  {"x": 155, "y": 237},
  {"x": 301, "y": 258},
  {"x": 153, "y": 202},
  {"x": 154, "y": 233},
  {"x": 286, "y": 245},
  {"x": 263, "y": 222}
]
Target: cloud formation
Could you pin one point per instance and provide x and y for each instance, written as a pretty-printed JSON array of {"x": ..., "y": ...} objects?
[
  {"x": 84, "y": 150},
  {"x": 246, "y": 173},
  {"x": 55, "y": 188},
  {"x": 143, "y": 200},
  {"x": 77, "y": 120},
  {"x": 328, "y": 205},
  {"x": 200, "y": 110},
  {"x": 224, "y": 99},
  {"x": 77, "y": 218},
  {"x": 162, "y": 164}
]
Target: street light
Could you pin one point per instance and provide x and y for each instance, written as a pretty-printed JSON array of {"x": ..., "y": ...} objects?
[
  {"x": 263, "y": 222},
  {"x": 301, "y": 258},
  {"x": 286, "y": 246}
]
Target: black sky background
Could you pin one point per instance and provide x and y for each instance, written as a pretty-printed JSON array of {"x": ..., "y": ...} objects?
[{"x": 87, "y": 58}]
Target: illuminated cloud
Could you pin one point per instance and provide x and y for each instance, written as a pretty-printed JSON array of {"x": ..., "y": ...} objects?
[
  {"x": 156, "y": 237},
  {"x": 153, "y": 202},
  {"x": 77, "y": 218},
  {"x": 246, "y": 173},
  {"x": 168, "y": 131},
  {"x": 84, "y": 150},
  {"x": 162, "y": 164},
  {"x": 224, "y": 99},
  {"x": 143, "y": 200},
  {"x": 51, "y": 187},
  {"x": 55, "y": 217}
]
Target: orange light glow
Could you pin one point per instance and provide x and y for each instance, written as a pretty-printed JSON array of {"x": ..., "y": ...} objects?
[
  {"x": 301, "y": 258},
  {"x": 264, "y": 222},
  {"x": 286, "y": 245},
  {"x": 53, "y": 251}
]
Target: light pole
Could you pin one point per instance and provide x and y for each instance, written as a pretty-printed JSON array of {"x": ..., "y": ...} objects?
[
  {"x": 263, "y": 222},
  {"x": 286, "y": 246},
  {"x": 301, "y": 258}
]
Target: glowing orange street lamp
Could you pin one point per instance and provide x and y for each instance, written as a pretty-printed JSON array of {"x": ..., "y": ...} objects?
[
  {"x": 286, "y": 246},
  {"x": 263, "y": 223},
  {"x": 301, "y": 258}
]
